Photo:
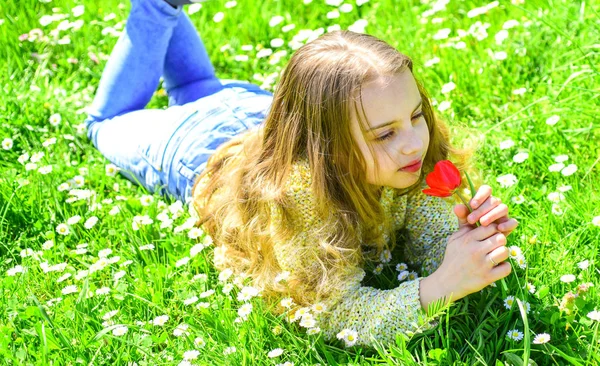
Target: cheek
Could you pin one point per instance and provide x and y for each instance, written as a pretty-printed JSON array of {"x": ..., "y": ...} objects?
[{"x": 424, "y": 133}]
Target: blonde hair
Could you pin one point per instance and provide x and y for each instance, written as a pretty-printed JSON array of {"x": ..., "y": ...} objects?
[{"x": 309, "y": 119}]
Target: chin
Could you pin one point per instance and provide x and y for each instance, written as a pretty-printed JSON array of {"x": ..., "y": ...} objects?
[{"x": 405, "y": 182}]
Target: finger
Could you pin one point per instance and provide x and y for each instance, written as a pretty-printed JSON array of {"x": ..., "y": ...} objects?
[
  {"x": 483, "y": 232},
  {"x": 490, "y": 203},
  {"x": 506, "y": 225},
  {"x": 461, "y": 211},
  {"x": 500, "y": 271},
  {"x": 499, "y": 254},
  {"x": 482, "y": 194},
  {"x": 494, "y": 242},
  {"x": 494, "y": 214}
]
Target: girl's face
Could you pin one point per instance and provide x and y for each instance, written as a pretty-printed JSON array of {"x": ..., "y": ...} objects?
[{"x": 396, "y": 129}]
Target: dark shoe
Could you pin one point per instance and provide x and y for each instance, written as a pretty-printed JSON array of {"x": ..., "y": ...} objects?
[{"x": 176, "y": 3}]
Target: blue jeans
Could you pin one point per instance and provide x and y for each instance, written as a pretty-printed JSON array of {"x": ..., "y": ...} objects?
[{"x": 165, "y": 150}]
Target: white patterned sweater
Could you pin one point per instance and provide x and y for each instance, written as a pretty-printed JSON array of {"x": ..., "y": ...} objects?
[{"x": 371, "y": 312}]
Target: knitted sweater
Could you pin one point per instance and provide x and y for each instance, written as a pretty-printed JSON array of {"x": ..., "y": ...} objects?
[{"x": 371, "y": 312}]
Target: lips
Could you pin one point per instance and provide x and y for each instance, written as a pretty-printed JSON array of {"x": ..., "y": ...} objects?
[{"x": 412, "y": 163}]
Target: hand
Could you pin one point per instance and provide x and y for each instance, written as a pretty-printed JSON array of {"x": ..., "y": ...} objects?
[
  {"x": 487, "y": 209},
  {"x": 466, "y": 267}
]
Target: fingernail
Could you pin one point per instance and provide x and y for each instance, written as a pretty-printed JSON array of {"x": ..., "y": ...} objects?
[
  {"x": 470, "y": 218},
  {"x": 474, "y": 203}
]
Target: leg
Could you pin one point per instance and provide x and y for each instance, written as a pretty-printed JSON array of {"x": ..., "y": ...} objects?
[
  {"x": 132, "y": 73},
  {"x": 136, "y": 142},
  {"x": 189, "y": 75},
  {"x": 128, "y": 135}
]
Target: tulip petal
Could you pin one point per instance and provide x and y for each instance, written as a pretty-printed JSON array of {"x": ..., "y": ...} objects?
[
  {"x": 437, "y": 193},
  {"x": 450, "y": 173}
]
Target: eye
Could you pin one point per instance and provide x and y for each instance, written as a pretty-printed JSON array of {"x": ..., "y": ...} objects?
[
  {"x": 385, "y": 137},
  {"x": 418, "y": 115},
  {"x": 392, "y": 133}
]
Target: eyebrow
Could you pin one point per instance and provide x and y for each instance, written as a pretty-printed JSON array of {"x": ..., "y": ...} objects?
[{"x": 390, "y": 122}]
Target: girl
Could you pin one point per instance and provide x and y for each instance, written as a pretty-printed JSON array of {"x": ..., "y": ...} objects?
[{"x": 302, "y": 189}]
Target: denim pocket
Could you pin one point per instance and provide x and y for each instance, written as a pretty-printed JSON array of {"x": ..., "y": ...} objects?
[{"x": 201, "y": 144}]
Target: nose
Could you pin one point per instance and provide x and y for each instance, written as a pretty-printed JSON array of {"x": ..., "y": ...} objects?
[{"x": 411, "y": 143}]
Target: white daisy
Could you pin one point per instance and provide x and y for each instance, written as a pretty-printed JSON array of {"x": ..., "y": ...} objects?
[
  {"x": 561, "y": 158},
  {"x": 448, "y": 87},
  {"x": 275, "y": 353},
  {"x": 182, "y": 262},
  {"x": 247, "y": 293},
  {"x": 276, "y": 20},
  {"x": 530, "y": 287},
  {"x": 519, "y": 91},
  {"x": 111, "y": 170},
  {"x": 16, "y": 269},
  {"x": 556, "y": 197},
  {"x": 103, "y": 291},
  {"x": 401, "y": 267},
  {"x": 146, "y": 200},
  {"x": 199, "y": 342},
  {"x": 55, "y": 119},
  {"x": 514, "y": 251},
  {"x": 569, "y": 170},
  {"x": 552, "y": 120},
  {"x": 7, "y": 143},
  {"x": 507, "y": 144},
  {"x": 196, "y": 249},
  {"x": 287, "y": 302},
  {"x": 62, "y": 229},
  {"x": 518, "y": 199},
  {"x": 191, "y": 300},
  {"x": 110, "y": 314},
  {"x": 521, "y": 262},
  {"x": 283, "y": 276},
  {"x": 69, "y": 290},
  {"x": 308, "y": 321},
  {"x": 541, "y": 338},
  {"x": 180, "y": 330},
  {"x": 89, "y": 223},
  {"x": 191, "y": 355},
  {"x": 557, "y": 210},
  {"x": 515, "y": 335},
  {"x": 567, "y": 278},
  {"x": 584, "y": 264},
  {"x": 507, "y": 180},
  {"x": 160, "y": 320},
  {"x": 594, "y": 315},
  {"x": 229, "y": 350},
  {"x": 351, "y": 338},
  {"x": 509, "y": 301},
  {"x": 318, "y": 308},
  {"x": 520, "y": 157},
  {"x": 119, "y": 331}
]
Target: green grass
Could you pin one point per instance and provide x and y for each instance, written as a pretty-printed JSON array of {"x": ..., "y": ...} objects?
[{"x": 553, "y": 52}]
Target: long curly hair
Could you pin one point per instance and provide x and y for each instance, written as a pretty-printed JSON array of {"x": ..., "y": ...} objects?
[{"x": 316, "y": 97}]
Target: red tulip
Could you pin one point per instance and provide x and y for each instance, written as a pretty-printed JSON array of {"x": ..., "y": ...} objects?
[{"x": 444, "y": 180}]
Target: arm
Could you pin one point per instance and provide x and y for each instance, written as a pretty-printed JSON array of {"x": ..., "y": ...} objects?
[
  {"x": 429, "y": 222},
  {"x": 373, "y": 313}
]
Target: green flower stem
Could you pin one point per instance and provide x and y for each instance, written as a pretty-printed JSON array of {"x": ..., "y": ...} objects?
[{"x": 466, "y": 204}]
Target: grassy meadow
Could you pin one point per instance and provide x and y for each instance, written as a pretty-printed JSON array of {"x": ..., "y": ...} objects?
[{"x": 95, "y": 271}]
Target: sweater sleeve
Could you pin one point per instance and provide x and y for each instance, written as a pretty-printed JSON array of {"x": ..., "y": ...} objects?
[
  {"x": 429, "y": 222},
  {"x": 373, "y": 313}
]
